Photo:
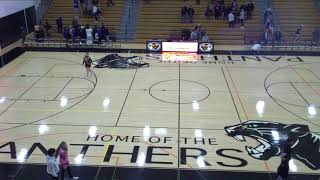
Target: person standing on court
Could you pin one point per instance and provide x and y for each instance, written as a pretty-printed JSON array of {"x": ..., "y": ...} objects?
[
  {"x": 283, "y": 169},
  {"x": 87, "y": 61},
  {"x": 64, "y": 161},
  {"x": 52, "y": 164}
]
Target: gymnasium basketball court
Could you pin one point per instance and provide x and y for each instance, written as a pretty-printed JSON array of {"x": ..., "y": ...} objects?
[{"x": 186, "y": 116}]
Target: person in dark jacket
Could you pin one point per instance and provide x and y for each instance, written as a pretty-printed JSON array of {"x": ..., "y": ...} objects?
[
  {"x": 283, "y": 169},
  {"x": 190, "y": 13},
  {"x": 59, "y": 24}
]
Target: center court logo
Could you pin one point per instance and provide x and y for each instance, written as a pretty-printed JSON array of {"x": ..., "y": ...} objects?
[{"x": 305, "y": 147}]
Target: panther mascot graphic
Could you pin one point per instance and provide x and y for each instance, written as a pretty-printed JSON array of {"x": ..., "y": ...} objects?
[{"x": 305, "y": 146}]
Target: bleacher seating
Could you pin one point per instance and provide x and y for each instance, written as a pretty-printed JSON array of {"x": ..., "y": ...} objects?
[
  {"x": 158, "y": 19},
  {"x": 111, "y": 16},
  {"x": 293, "y": 13}
]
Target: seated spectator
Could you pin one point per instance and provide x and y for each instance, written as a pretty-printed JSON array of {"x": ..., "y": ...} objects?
[
  {"x": 278, "y": 36},
  {"x": 194, "y": 35},
  {"x": 205, "y": 38},
  {"x": 315, "y": 37},
  {"x": 190, "y": 13},
  {"x": 39, "y": 34},
  {"x": 184, "y": 13}
]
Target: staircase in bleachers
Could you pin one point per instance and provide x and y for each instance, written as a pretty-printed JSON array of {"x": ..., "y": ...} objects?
[
  {"x": 160, "y": 19},
  {"x": 110, "y": 15},
  {"x": 293, "y": 13}
]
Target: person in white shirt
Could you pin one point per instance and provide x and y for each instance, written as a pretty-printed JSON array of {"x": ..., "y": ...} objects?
[
  {"x": 52, "y": 164},
  {"x": 94, "y": 10},
  {"x": 242, "y": 16},
  {"x": 89, "y": 35},
  {"x": 231, "y": 19}
]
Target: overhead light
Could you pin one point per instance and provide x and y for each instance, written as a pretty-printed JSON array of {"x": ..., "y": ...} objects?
[
  {"x": 200, "y": 162},
  {"x": 141, "y": 159},
  {"x": 63, "y": 101},
  {"x": 78, "y": 159},
  {"x": 93, "y": 131},
  {"x": 312, "y": 110},
  {"x": 198, "y": 133},
  {"x": 43, "y": 129},
  {"x": 275, "y": 135},
  {"x": 292, "y": 166},
  {"x": 146, "y": 133},
  {"x": 260, "y": 107},
  {"x": 2, "y": 99},
  {"x": 22, "y": 155},
  {"x": 195, "y": 106},
  {"x": 160, "y": 131},
  {"x": 106, "y": 103}
]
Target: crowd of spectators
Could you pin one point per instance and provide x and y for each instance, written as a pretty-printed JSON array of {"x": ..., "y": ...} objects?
[
  {"x": 76, "y": 32},
  {"x": 234, "y": 13},
  {"x": 86, "y": 34},
  {"x": 197, "y": 34}
]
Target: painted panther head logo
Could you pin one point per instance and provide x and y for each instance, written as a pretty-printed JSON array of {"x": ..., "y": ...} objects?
[
  {"x": 154, "y": 46},
  {"x": 272, "y": 137},
  {"x": 206, "y": 47}
]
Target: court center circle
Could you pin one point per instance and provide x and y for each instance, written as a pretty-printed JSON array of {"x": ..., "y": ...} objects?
[{"x": 183, "y": 91}]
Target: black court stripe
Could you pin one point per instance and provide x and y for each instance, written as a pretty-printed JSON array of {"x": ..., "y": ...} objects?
[
  {"x": 125, "y": 100},
  {"x": 26, "y": 91},
  {"x": 304, "y": 99},
  {"x": 63, "y": 89},
  {"x": 235, "y": 106}
]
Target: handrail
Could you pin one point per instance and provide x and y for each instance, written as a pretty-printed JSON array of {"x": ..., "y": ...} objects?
[{"x": 41, "y": 7}]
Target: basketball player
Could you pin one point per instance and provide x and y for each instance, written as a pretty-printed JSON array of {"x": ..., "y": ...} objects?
[{"x": 87, "y": 61}]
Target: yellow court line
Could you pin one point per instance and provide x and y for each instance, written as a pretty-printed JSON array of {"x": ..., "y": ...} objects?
[{"x": 105, "y": 153}]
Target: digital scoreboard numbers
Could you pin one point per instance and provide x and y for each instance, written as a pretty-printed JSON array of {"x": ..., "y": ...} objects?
[{"x": 180, "y": 46}]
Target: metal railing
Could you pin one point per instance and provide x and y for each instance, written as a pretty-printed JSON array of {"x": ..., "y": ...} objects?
[
  {"x": 41, "y": 7},
  {"x": 75, "y": 43}
]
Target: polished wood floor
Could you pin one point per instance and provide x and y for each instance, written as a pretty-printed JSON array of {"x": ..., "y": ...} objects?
[{"x": 230, "y": 113}]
